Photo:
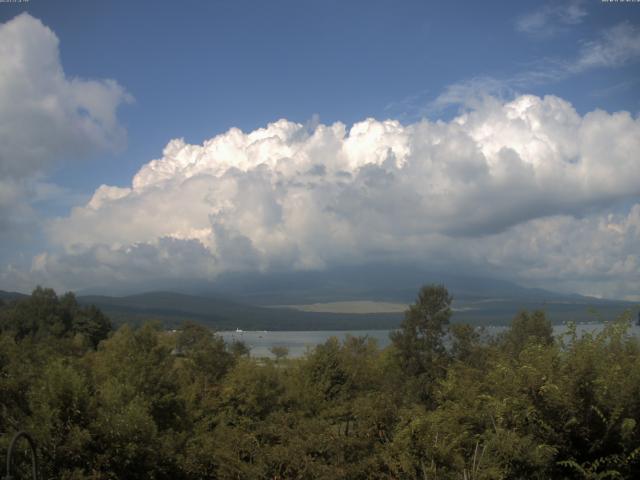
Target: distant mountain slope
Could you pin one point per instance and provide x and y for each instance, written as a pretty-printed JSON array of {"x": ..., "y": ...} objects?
[
  {"x": 390, "y": 283},
  {"x": 259, "y": 301},
  {"x": 173, "y": 308},
  {"x": 380, "y": 282},
  {"x": 397, "y": 283},
  {"x": 584, "y": 309},
  {"x": 11, "y": 295}
]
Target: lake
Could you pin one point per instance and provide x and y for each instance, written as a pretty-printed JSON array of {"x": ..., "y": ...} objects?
[{"x": 259, "y": 342}]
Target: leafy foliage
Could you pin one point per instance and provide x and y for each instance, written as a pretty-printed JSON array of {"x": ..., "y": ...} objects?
[
  {"x": 441, "y": 402},
  {"x": 44, "y": 314}
]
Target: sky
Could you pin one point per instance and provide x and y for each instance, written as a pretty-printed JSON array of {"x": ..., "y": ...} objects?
[{"x": 182, "y": 140}]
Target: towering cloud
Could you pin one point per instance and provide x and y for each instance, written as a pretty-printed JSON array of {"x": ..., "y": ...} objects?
[
  {"x": 503, "y": 184},
  {"x": 45, "y": 116}
]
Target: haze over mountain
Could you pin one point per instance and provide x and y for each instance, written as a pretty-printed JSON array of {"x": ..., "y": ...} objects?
[
  {"x": 380, "y": 282},
  {"x": 333, "y": 299}
]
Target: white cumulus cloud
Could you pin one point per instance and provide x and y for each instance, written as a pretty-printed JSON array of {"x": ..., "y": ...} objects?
[
  {"x": 45, "y": 117},
  {"x": 596, "y": 254},
  {"x": 478, "y": 189}
]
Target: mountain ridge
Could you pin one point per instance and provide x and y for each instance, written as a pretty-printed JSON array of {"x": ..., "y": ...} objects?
[{"x": 273, "y": 301}]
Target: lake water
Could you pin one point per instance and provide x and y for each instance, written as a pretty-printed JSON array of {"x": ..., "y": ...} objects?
[{"x": 299, "y": 343}]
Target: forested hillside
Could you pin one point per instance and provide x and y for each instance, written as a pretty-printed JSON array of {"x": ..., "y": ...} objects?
[
  {"x": 218, "y": 313},
  {"x": 144, "y": 403}
]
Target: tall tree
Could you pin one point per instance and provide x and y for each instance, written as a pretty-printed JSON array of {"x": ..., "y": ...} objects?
[{"x": 419, "y": 344}]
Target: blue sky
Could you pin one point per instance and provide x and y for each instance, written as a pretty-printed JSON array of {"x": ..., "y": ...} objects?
[{"x": 195, "y": 69}]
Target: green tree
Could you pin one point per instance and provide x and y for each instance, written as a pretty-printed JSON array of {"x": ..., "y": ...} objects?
[
  {"x": 44, "y": 314},
  {"x": 527, "y": 328},
  {"x": 239, "y": 349},
  {"x": 466, "y": 344},
  {"x": 90, "y": 322},
  {"x": 62, "y": 408},
  {"x": 279, "y": 351},
  {"x": 419, "y": 343},
  {"x": 203, "y": 362}
]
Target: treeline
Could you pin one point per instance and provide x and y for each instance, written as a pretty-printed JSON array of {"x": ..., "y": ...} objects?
[{"x": 144, "y": 403}]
